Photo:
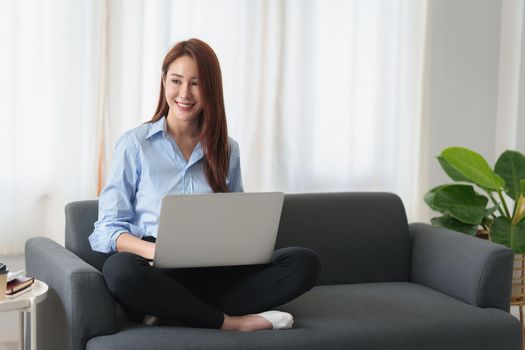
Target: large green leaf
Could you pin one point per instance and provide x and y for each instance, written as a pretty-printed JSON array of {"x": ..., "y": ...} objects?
[
  {"x": 511, "y": 167},
  {"x": 500, "y": 231},
  {"x": 518, "y": 238},
  {"x": 429, "y": 197},
  {"x": 522, "y": 185},
  {"x": 462, "y": 203},
  {"x": 513, "y": 236},
  {"x": 473, "y": 166},
  {"x": 451, "y": 171},
  {"x": 454, "y": 224}
]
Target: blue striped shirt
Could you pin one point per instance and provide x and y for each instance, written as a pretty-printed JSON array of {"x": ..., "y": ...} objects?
[{"x": 147, "y": 165}]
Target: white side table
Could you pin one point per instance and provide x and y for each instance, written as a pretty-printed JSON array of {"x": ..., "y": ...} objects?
[{"x": 26, "y": 303}]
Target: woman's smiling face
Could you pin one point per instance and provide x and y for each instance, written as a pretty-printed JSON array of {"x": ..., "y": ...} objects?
[{"x": 181, "y": 87}]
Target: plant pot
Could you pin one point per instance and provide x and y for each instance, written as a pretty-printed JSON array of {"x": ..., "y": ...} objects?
[
  {"x": 518, "y": 284},
  {"x": 482, "y": 234}
]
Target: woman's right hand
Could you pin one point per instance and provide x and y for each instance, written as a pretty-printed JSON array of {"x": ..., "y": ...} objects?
[{"x": 126, "y": 242}]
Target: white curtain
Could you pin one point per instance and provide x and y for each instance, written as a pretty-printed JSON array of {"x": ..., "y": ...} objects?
[
  {"x": 322, "y": 95},
  {"x": 49, "y": 69}
]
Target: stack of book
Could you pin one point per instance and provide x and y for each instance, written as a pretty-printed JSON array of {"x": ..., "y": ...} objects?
[{"x": 17, "y": 284}]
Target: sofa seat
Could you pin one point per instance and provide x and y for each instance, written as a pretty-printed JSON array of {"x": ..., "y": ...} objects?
[{"x": 386, "y": 315}]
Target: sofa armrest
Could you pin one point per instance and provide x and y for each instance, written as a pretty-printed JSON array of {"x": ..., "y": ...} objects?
[
  {"x": 79, "y": 305},
  {"x": 473, "y": 270}
]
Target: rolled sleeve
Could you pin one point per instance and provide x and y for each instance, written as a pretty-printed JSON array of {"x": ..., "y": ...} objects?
[
  {"x": 104, "y": 238},
  {"x": 116, "y": 214}
]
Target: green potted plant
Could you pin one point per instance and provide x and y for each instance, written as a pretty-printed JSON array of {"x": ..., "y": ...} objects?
[{"x": 499, "y": 213}]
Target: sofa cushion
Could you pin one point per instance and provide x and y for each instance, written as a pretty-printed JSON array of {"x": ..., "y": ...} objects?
[
  {"x": 361, "y": 237},
  {"x": 394, "y": 315}
]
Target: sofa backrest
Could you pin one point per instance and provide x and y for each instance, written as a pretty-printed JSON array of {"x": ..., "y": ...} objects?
[
  {"x": 361, "y": 237},
  {"x": 80, "y": 220}
]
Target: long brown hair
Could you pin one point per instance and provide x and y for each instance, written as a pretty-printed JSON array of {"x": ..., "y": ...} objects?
[{"x": 212, "y": 120}]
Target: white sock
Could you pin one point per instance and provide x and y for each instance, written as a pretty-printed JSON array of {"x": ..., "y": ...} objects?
[
  {"x": 278, "y": 319},
  {"x": 150, "y": 320}
]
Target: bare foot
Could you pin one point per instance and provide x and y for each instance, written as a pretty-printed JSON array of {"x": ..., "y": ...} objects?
[{"x": 245, "y": 323}]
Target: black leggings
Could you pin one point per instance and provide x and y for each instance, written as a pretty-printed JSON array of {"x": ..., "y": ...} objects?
[{"x": 200, "y": 297}]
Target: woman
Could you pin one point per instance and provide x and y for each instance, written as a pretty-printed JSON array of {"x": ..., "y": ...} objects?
[{"x": 185, "y": 149}]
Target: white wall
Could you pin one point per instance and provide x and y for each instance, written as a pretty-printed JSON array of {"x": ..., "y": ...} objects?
[
  {"x": 521, "y": 95},
  {"x": 463, "y": 77},
  {"x": 461, "y": 83}
]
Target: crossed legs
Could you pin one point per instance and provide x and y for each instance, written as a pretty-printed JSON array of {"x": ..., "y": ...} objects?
[{"x": 201, "y": 297}]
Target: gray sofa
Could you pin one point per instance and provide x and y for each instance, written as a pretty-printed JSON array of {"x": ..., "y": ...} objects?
[{"x": 385, "y": 285}]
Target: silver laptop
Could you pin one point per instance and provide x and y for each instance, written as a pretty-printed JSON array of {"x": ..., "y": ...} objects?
[{"x": 219, "y": 229}]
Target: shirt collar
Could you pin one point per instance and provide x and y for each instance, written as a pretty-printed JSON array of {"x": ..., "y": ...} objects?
[
  {"x": 156, "y": 127},
  {"x": 196, "y": 155},
  {"x": 161, "y": 126}
]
